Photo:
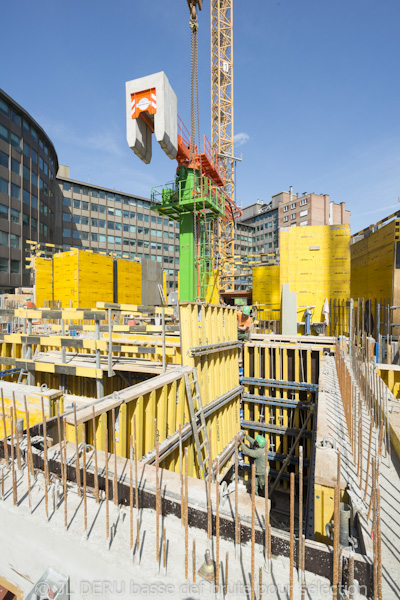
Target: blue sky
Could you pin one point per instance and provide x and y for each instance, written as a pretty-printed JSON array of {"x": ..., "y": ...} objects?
[{"x": 316, "y": 88}]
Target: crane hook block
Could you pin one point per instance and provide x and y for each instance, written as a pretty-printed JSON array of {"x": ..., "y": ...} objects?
[{"x": 151, "y": 106}]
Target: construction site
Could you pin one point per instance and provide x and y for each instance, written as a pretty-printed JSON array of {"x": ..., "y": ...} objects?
[{"x": 211, "y": 442}]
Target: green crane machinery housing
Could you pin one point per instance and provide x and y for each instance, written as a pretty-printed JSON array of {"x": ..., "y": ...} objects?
[{"x": 196, "y": 203}]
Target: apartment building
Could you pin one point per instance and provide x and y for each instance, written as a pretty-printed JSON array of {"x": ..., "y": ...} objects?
[{"x": 310, "y": 209}]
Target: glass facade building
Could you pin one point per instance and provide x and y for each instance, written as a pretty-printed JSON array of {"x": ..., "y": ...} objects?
[{"x": 29, "y": 194}]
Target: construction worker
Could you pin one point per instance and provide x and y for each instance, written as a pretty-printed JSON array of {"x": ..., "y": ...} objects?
[
  {"x": 244, "y": 323},
  {"x": 258, "y": 453},
  {"x": 29, "y": 303}
]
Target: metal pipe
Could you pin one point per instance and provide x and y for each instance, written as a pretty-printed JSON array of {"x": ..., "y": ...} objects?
[
  {"x": 4, "y": 427},
  {"x": 46, "y": 465},
  {"x": 99, "y": 382},
  {"x": 14, "y": 485},
  {"x": 96, "y": 472},
  {"x": 65, "y": 473}
]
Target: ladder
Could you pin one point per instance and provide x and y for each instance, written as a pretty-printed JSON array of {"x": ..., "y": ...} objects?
[{"x": 198, "y": 423}]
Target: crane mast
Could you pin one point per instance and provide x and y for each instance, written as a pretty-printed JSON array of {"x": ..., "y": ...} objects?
[{"x": 222, "y": 127}]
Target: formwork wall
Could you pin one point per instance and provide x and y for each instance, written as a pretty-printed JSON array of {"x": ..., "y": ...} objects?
[
  {"x": 129, "y": 282},
  {"x": 44, "y": 280},
  {"x": 267, "y": 291},
  {"x": 315, "y": 261},
  {"x": 373, "y": 265},
  {"x": 81, "y": 277}
]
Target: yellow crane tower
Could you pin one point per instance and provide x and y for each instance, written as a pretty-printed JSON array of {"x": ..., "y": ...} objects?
[{"x": 222, "y": 129}]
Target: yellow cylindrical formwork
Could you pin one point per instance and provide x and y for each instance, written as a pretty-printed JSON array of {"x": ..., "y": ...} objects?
[{"x": 129, "y": 281}]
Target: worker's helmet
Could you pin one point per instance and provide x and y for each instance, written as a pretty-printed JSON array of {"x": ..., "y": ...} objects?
[
  {"x": 246, "y": 310},
  {"x": 27, "y": 299},
  {"x": 260, "y": 441}
]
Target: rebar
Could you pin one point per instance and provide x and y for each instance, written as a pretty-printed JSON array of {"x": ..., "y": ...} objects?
[
  {"x": 14, "y": 484},
  {"x": 46, "y": 465},
  {"x": 5, "y": 428},
  {"x": 17, "y": 446},
  {"x": 131, "y": 492},
  {"x": 96, "y": 472},
  {"x": 181, "y": 474},
  {"x": 84, "y": 477},
  {"x": 291, "y": 534},
  {"x": 300, "y": 556},
  {"x": 253, "y": 525},
  {"x": 209, "y": 501},
  {"x": 379, "y": 542},
  {"x": 107, "y": 484},
  {"x": 29, "y": 453},
  {"x": 136, "y": 485},
  {"x": 266, "y": 502},
  {"x": 217, "y": 524},
  {"x": 158, "y": 499},
  {"x": 164, "y": 551},
  {"x": 237, "y": 531},
  {"x": 59, "y": 433},
  {"x": 186, "y": 520},
  {"x": 65, "y": 473},
  {"x": 194, "y": 561},
  {"x": 260, "y": 583},
  {"x": 226, "y": 574},
  {"x": 77, "y": 467},
  {"x": 368, "y": 458},
  {"x": 114, "y": 445}
]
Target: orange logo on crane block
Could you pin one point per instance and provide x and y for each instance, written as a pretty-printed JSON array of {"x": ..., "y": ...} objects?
[{"x": 143, "y": 101}]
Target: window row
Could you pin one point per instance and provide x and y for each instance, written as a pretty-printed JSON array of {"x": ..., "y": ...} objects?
[{"x": 12, "y": 266}]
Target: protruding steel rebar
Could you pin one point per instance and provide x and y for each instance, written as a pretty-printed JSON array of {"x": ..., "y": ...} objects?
[
  {"x": 158, "y": 499},
  {"x": 253, "y": 525},
  {"x": 84, "y": 477},
  {"x": 46, "y": 464},
  {"x": 237, "y": 530},
  {"x": 226, "y": 574},
  {"x": 107, "y": 485},
  {"x": 14, "y": 483},
  {"x": 131, "y": 492},
  {"x": 186, "y": 519},
  {"x": 291, "y": 535},
  {"x": 194, "y": 561},
  {"x": 4, "y": 426},
  {"x": 17, "y": 446},
  {"x": 64, "y": 458},
  {"x": 96, "y": 471},
  {"x": 217, "y": 523},
  {"x": 114, "y": 446},
  {"x": 29, "y": 453},
  {"x": 77, "y": 466}
]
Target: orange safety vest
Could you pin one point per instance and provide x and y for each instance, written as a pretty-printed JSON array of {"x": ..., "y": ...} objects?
[{"x": 243, "y": 320}]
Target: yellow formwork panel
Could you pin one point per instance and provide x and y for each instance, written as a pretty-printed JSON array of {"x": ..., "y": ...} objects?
[
  {"x": 373, "y": 264},
  {"x": 267, "y": 290},
  {"x": 202, "y": 325},
  {"x": 323, "y": 511},
  {"x": 43, "y": 280},
  {"x": 129, "y": 282},
  {"x": 34, "y": 404},
  {"x": 81, "y": 277},
  {"x": 315, "y": 261}
]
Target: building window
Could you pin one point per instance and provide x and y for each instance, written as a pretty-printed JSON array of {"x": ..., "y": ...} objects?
[
  {"x": 77, "y": 189},
  {"x": 34, "y": 134},
  {"x": 26, "y": 173},
  {"x": 303, "y": 213},
  {"x": 3, "y": 212},
  {"x": 25, "y": 126},
  {"x": 15, "y": 266},
  {"x": 15, "y": 166},
  {"x": 95, "y": 194},
  {"x": 85, "y": 220},
  {"x": 293, "y": 205},
  {"x": 303, "y": 201},
  {"x": 85, "y": 205},
  {"x": 285, "y": 208},
  {"x": 66, "y": 186},
  {"x": 4, "y": 265},
  {"x": 34, "y": 223},
  {"x": 76, "y": 234},
  {"x": 77, "y": 203},
  {"x": 285, "y": 219},
  {"x": 293, "y": 216},
  {"x": 34, "y": 156},
  {"x": 14, "y": 240},
  {"x": 3, "y": 159},
  {"x": 4, "y": 108},
  {"x": 85, "y": 235},
  {"x": 34, "y": 179},
  {"x": 66, "y": 217},
  {"x": 77, "y": 219},
  {"x": 25, "y": 220},
  {"x": 14, "y": 215},
  {"x": 66, "y": 201},
  {"x": 15, "y": 141},
  {"x": 4, "y": 133},
  {"x": 15, "y": 191},
  {"x": 304, "y": 223},
  {"x": 34, "y": 201},
  {"x": 94, "y": 237}
]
